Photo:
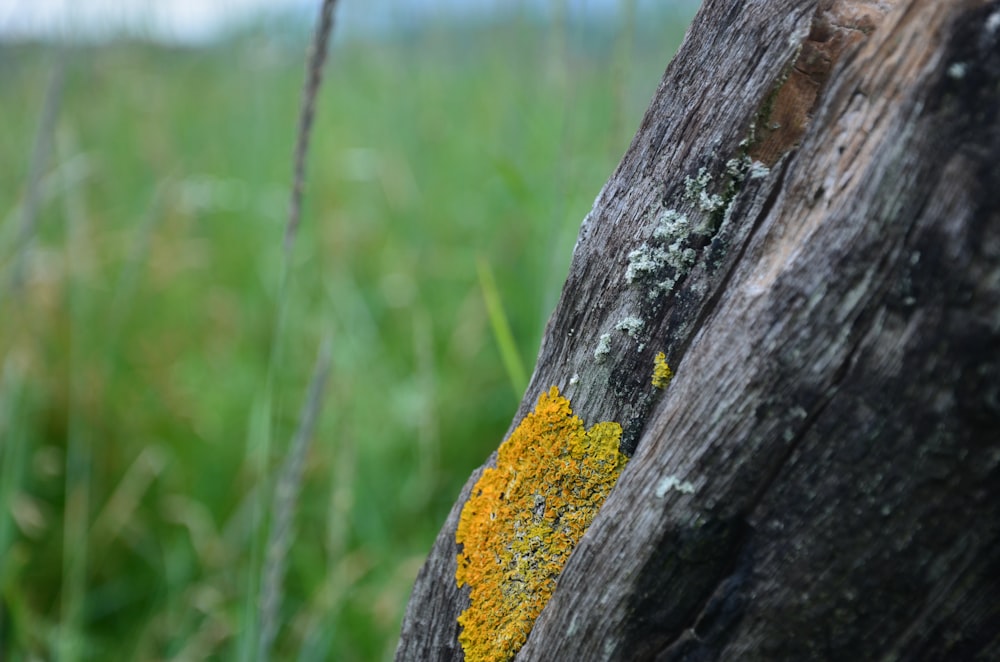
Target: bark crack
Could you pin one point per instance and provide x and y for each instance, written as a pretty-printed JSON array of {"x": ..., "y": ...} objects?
[{"x": 733, "y": 263}]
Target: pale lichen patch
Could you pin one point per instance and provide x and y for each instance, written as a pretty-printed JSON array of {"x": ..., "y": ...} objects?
[
  {"x": 671, "y": 483},
  {"x": 993, "y": 22},
  {"x": 672, "y": 226},
  {"x": 652, "y": 260},
  {"x": 603, "y": 348},
  {"x": 672, "y": 250},
  {"x": 524, "y": 518},
  {"x": 644, "y": 260},
  {"x": 630, "y": 325},
  {"x": 696, "y": 190},
  {"x": 758, "y": 170},
  {"x": 669, "y": 255}
]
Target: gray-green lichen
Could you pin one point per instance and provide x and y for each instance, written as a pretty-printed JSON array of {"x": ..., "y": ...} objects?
[
  {"x": 758, "y": 170},
  {"x": 631, "y": 325},
  {"x": 672, "y": 483},
  {"x": 696, "y": 190},
  {"x": 993, "y": 22},
  {"x": 603, "y": 348},
  {"x": 957, "y": 70},
  {"x": 644, "y": 260},
  {"x": 668, "y": 256},
  {"x": 671, "y": 251}
]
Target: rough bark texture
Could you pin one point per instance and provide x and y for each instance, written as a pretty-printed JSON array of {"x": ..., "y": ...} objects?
[{"x": 835, "y": 334}]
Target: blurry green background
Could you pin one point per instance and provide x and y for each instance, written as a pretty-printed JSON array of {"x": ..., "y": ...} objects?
[{"x": 153, "y": 367}]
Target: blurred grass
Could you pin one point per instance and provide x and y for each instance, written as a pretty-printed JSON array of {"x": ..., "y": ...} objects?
[{"x": 136, "y": 429}]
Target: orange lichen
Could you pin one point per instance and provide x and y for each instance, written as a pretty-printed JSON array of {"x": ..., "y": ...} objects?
[
  {"x": 661, "y": 371},
  {"x": 525, "y": 517}
]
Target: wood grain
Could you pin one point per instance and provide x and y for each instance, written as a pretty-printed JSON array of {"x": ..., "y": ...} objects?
[{"x": 836, "y": 349}]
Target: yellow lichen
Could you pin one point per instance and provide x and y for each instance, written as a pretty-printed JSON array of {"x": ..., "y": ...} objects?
[
  {"x": 661, "y": 371},
  {"x": 524, "y": 518}
]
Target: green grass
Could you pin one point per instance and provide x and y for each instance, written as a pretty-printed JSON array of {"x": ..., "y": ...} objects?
[{"x": 141, "y": 432}]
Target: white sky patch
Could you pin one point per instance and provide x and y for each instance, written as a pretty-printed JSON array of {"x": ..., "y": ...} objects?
[
  {"x": 168, "y": 20},
  {"x": 196, "y": 21}
]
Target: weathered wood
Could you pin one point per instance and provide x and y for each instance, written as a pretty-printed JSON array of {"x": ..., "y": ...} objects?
[{"x": 822, "y": 478}]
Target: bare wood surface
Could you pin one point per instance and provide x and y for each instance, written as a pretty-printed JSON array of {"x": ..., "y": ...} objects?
[{"x": 822, "y": 478}]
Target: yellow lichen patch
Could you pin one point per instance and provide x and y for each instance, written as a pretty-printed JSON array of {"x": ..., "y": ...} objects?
[
  {"x": 525, "y": 517},
  {"x": 661, "y": 371}
]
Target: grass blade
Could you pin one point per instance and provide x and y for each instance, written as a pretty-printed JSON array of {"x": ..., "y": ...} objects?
[
  {"x": 39, "y": 158},
  {"x": 317, "y": 56},
  {"x": 286, "y": 497},
  {"x": 501, "y": 329}
]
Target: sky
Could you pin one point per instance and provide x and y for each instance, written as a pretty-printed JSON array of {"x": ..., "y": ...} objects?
[
  {"x": 194, "y": 21},
  {"x": 166, "y": 20}
]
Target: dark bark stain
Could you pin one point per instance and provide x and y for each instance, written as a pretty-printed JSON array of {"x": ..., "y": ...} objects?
[{"x": 679, "y": 579}]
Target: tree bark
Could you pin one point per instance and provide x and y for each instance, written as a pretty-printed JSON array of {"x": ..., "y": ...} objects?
[{"x": 821, "y": 479}]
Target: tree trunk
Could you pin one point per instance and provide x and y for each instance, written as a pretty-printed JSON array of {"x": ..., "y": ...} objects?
[{"x": 807, "y": 225}]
